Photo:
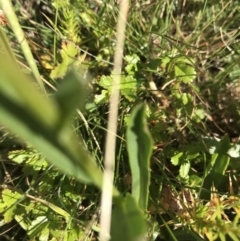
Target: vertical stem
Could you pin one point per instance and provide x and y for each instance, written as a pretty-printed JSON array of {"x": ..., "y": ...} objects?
[
  {"x": 109, "y": 159},
  {"x": 8, "y": 10}
]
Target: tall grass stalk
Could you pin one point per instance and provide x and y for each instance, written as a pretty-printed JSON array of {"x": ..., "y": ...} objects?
[{"x": 109, "y": 159}]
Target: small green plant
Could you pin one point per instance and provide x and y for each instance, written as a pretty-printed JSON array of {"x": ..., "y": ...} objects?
[{"x": 129, "y": 86}]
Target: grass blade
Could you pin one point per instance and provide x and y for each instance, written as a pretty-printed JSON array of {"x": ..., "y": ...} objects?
[{"x": 13, "y": 21}]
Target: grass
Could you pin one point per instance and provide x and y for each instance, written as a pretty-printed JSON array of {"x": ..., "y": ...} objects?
[{"x": 185, "y": 115}]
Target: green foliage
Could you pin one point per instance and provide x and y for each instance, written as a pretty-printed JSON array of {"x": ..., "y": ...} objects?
[
  {"x": 181, "y": 59},
  {"x": 184, "y": 159},
  {"x": 127, "y": 219},
  {"x": 176, "y": 66},
  {"x": 139, "y": 145},
  {"x": 39, "y": 217},
  {"x": 57, "y": 143},
  {"x": 40, "y": 122},
  {"x": 68, "y": 53},
  {"x": 216, "y": 168},
  {"x": 129, "y": 86},
  {"x": 12, "y": 19},
  {"x": 9, "y": 204}
]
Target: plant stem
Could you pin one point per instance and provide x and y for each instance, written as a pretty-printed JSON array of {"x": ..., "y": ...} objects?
[{"x": 109, "y": 159}]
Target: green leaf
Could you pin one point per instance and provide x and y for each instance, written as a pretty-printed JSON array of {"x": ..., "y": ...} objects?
[
  {"x": 165, "y": 61},
  {"x": 10, "y": 200},
  {"x": 129, "y": 94},
  {"x": 22, "y": 221},
  {"x": 9, "y": 214},
  {"x": 106, "y": 82},
  {"x": 234, "y": 151},
  {"x": 154, "y": 64},
  {"x": 37, "y": 226},
  {"x": 185, "y": 98},
  {"x": 128, "y": 221},
  {"x": 102, "y": 98},
  {"x": 128, "y": 87},
  {"x": 36, "y": 119},
  {"x": 68, "y": 53},
  {"x": 139, "y": 145},
  {"x": 192, "y": 152},
  {"x": 71, "y": 95},
  {"x": 128, "y": 82},
  {"x": 184, "y": 72},
  {"x": 10, "y": 197},
  {"x": 59, "y": 71},
  {"x": 216, "y": 168},
  {"x": 30, "y": 157},
  {"x": 234, "y": 74},
  {"x": 184, "y": 169},
  {"x": 176, "y": 160},
  {"x": 132, "y": 59},
  {"x": 44, "y": 235},
  {"x": 195, "y": 180},
  {"x": 74, "y": 233},
  {"x": 198, "y": 115}
]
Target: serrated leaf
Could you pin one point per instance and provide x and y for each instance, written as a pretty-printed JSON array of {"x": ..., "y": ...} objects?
[
  {"x": 165, "y": 61},
  {"x": 10, "y": 197},
  {"x": 128, "y": 87},
  {"x": 46, "y": 61},
  {"x": 9, "y": 214},
  {"x": 128, "y": 220},
  {"x": 29, "y": 157},
  {"x": 139, "y": 146},
  {"x": 68, "y": 53},
  {"x": 102, "y": 98},
  {"x": 132, "y": 59},
  {"x": 128, "y": 82},
  {"x": 129, "y": 94},
  {"x": 184, "y": 72},
  {"x": 59, "y": 71},
  {"x": 106, "y": 82},
  {"x": 2, "y": 206}
]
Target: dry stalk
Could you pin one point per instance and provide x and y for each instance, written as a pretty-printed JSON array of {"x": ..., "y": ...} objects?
[{"x": 109, "y": 159}]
